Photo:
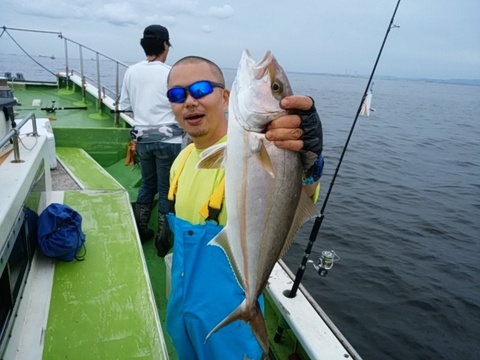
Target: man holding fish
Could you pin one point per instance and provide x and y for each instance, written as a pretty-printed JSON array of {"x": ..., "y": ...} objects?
[{"x": 274, "y": 144}]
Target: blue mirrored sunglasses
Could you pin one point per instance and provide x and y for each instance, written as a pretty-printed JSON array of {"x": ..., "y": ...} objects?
[{"x": 198, "y": 90}]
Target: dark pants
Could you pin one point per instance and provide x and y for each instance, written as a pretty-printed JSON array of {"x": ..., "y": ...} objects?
[{"x": 155, "y": 162}]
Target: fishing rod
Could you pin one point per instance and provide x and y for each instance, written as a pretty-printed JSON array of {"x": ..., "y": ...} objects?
[
  {"x": 53, "y": 109},
  {"x": 328, "y": 257},
  {"x": 120, "y": 111}
]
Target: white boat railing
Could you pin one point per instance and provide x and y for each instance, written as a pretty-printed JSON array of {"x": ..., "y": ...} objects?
[
  {"x": 94, "y": 76},
  {"x": 115, "y": 93},
  {"x": 14, "y": 135}
]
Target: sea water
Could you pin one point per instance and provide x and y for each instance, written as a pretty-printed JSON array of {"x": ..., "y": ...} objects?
[{"x": 403, "y": 214}]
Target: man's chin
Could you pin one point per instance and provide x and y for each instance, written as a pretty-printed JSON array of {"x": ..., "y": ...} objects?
[{"x": 195, "y": 131}]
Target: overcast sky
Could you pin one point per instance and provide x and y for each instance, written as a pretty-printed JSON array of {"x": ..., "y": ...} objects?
[{"x": 435, "y": 38}]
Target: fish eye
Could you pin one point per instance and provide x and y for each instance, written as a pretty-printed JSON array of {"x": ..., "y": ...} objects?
[{"x": 277, "y": 87}]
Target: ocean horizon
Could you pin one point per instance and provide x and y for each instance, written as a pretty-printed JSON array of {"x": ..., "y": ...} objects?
[{"x": 453, "y": 81}]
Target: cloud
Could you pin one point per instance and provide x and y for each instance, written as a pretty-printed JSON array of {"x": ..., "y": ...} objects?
[
  {"x": 220, "y": 12},
  {"x": 180, "y": 6},
  {"x": 117, "y": 14},
  {"x": 339, "y": 34},
  {"x": 168, "y": 20},
  {"x": 51, "y": 9},
  {"x": 207, "y": 28}
]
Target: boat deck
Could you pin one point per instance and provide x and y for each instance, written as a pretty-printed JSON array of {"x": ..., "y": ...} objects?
[
  {"x": 112, "y": 288},
  {"x": 43, "y": 96}
]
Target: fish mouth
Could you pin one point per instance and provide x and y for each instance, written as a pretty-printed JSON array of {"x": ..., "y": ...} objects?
[
  {"x": 268, "y": 68},
  {"x": 266, "y": 64}
]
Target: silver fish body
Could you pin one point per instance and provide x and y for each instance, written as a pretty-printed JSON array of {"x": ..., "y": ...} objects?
[{"x": 263, "y": 186}]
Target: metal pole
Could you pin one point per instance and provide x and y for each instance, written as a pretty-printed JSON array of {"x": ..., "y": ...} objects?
[
  {"x": 116, "y": 121},
  {"x": 66, "y": 62},
  {"x": 99, "y": 84}
]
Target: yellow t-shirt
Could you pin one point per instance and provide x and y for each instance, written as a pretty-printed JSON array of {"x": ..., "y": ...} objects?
[{"x": 195, "y": 186}]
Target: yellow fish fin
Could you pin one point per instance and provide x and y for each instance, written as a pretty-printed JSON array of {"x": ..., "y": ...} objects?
[
  {"x": 221, "y": 240},
  {"x": 213, "y": 157},
  {"x": 264, "y": 159}
]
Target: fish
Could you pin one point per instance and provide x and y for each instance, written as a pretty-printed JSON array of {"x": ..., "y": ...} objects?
[{"x": 264, "y": 198}]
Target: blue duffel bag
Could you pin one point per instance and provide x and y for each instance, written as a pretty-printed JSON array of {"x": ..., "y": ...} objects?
[{"x": 60, "y": 234}]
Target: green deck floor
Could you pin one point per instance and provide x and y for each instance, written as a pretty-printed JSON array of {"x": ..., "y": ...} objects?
[{"x": 63, "y": 98}]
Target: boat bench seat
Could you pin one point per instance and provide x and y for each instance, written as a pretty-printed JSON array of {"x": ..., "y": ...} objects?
[
  {"x": 103, "y": 307},
  {"x": 85, "y": 170}
]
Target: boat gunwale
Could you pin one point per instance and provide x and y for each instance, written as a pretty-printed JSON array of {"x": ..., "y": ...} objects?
[{"x": 333, "y": 328}]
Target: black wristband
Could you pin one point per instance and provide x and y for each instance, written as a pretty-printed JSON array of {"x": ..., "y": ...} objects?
[
  {"x": 312, "y": 135},
  {"x": 312, "y": 130}
]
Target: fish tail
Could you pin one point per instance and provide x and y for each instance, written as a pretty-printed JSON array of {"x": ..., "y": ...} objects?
[
  {"x": 253, "y": 317},
  {"x": 237, "y": 314},
  {"x": 257, "y": 324}
]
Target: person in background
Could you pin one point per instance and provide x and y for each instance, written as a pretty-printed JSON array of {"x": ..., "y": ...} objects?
[
  {"x": 157, "y": 135},
  {"x": 203, "y": 286}
]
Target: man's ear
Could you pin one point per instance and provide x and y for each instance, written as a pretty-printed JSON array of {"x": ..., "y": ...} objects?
[{"x": 226, "y": 97}]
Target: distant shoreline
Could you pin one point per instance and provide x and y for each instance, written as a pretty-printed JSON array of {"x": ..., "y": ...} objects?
[{"x": 467, "y": 82}]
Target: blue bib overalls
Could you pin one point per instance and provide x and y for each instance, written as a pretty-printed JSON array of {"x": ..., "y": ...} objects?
[{"x": 204, "y": 291}]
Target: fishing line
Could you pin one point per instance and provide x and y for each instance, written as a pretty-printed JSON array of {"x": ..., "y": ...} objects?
[{"x": 319, "y": 219}]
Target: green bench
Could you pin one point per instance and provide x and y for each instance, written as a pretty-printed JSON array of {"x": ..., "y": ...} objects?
[{"x": 102, "y": 307}]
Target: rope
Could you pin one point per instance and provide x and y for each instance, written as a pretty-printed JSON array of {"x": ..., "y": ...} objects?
[{"x": 24, "y": 51}]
